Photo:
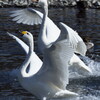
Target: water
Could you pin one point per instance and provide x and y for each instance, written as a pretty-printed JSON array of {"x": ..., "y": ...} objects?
[{"x": 86, "y": 23}]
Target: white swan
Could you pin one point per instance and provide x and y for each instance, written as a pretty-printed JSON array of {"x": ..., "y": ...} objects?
[
  {"x": 30, "y": 16},
  {"x": 36, "y": 61},
  {"x": 51, "y": 78}
]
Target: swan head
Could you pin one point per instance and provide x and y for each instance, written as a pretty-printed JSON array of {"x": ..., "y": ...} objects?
[
  {"x": 42, "y": 3},
  {"x": 89, "y": 45},
  {"x": 27, "y": 36}
]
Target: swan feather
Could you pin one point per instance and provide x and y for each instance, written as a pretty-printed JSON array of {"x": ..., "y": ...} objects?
[
  {"x": 75, "y": 40},
  {"x": 20, "y": 16}
]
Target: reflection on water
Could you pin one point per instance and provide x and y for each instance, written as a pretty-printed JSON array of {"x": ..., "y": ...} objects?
[{"x": 86, "y": 22}]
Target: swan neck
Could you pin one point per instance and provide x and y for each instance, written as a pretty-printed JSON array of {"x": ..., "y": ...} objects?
[
  {"x": 43, "y": 35},
  {"x": 45, "y": 14},
  {"x": 31, "y": 46},
  {"x": 27, "y": 61}
]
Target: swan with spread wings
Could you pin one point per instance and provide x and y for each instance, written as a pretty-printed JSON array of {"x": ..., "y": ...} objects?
[
  {"x": 31, "y": 16},
  {"x": 48, "y": 80}
]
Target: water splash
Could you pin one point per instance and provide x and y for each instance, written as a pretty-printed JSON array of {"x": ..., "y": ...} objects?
[
  {"x": 94, "y": 65},
  {"x": 90, "y": 97}
]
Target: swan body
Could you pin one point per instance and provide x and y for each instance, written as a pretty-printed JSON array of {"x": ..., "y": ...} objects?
[
  {"x": 51, "y": 78},
  {"x": 31, "y": 16}
]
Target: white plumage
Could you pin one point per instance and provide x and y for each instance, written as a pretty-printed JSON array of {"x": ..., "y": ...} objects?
[
  {"x": 52, "y": 77},
  {"x": 36, "y": 61},
  {"x": 51, "y": 31}
]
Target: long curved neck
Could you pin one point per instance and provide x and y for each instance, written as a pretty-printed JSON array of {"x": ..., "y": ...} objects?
[
  {"x": 42, "y": 35},
  {"x": 25, "y": 64},
  {"x": 45, "y": 14}
]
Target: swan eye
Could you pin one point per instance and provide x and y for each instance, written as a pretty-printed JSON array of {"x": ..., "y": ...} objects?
[{"x": 27, "y": 33}]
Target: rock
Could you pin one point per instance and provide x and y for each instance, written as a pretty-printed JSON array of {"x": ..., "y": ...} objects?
[{"x": 58, "y": 3}]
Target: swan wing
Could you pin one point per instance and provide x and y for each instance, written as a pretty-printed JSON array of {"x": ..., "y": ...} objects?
[
  {"x": 20, "y": 42},
  {"x": 52, "y": 31},
  {"x": 74, "y": 39},
  {"x": 31, "y": 16},
  {"x": 57, "y": 58},
  {"x": 77, "y": 62},
  {"x": 35, "y": 61},
  {"x": 27, "y": 16}
]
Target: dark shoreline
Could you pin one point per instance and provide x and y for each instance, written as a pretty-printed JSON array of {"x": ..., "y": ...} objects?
[{"x": 79, "y": 4}]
